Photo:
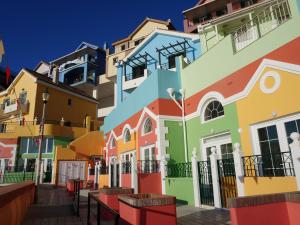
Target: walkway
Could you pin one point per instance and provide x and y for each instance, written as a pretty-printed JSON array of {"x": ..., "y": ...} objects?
[{"x": 55, "y": 208}]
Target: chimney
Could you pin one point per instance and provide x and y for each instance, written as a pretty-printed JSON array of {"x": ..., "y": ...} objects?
[{"x": 55, "y": 74}]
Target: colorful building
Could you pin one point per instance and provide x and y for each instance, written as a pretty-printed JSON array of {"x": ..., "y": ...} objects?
[
  {"x": 216, "y": 107},
  {"x": 21, "y": 112},
  {"x": 135, "y": 128}
]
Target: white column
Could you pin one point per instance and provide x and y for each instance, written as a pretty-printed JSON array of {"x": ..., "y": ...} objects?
[
  {"x": 134, "y": 178},
  {"x": 96, "y": 176},
  {"x": 109, "y": 172},
  {"x": 120, "y": 172},
  {"x": 238, "y": 165},
  {"x": 115, "y": 172},
  {"x": 196, "y": 179},
  {"x": 295, "y": 151},
  {"x": 215, "y": 177},
  {"x": 88, "y": 176},
  {"x": 163, "y": 173}
]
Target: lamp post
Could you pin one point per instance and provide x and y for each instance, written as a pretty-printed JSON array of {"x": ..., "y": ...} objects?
[
  {"x": 45, "y": 97},
  {"x": 171, "y": 93}
]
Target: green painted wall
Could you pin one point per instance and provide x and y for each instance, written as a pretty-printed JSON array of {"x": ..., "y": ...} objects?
[
  {"x": 200, "y": 75},
  {"x": 182, "y": 188},
  {"x": 197, "y": 130},
  {"x": 175, "y": 138},
  {"x": 35, "y": 155},
  {"x": 62, "y": 141}
]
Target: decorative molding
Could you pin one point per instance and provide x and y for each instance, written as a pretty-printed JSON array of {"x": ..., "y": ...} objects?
[{"x": 276, "y": 85}]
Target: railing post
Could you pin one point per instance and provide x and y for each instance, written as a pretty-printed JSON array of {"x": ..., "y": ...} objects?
[
  {"x": 215, "y": 177},
  {"x": 238, "y": 166},
  {"x": 195, "y": 173},
  {"x": 96, "y": 174},
  {"x": 163, "y": 173},
  {"x": 134, "y": 178},
  {"x": 88, "y": 209},
  {"x": 295, "y": 151}
]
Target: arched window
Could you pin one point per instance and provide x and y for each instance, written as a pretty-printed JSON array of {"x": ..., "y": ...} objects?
[
  {"x": 113, "y": 143},
  {"x": 147, "y": 126},
  {"x": 213, "y": 110},
  {"x": 127, "y": 136}
]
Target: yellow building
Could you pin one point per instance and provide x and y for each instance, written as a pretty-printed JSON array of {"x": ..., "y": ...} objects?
[
  {"x": 265, "y": 127},
  {"x": 70, "y": 114}
]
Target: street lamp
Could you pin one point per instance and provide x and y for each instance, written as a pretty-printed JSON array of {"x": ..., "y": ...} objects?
[
  {"x": 171, "y": 93},
  {"x": 45, "y": 97}
]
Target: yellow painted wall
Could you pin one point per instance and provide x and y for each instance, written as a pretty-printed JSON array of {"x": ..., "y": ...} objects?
[
  {"x": 26, "y": 82},
  {"x": 103, "y": 180},
  {"x": 89, "y": 144},
  {"x": 111, "y": 69},
  {"x": 257, "y": 107},
  {"x": 129, "y": 146},
  {"x": 147, "y": 29},
  {"x": 269, "y": 185},
  {"x": 58, "y": 107}
]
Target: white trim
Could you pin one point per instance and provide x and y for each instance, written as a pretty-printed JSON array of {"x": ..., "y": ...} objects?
[
  {"x": 193, "y": 37},
  {"x": 276, "y": 85},
  {"x": 282, "y": 136},
  {"x": 145, "y": 111},
  {"x": 112, "y": 134},
  {"x": 143, "y": 126}
]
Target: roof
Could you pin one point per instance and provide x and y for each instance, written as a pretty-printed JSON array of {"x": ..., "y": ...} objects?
[
  {"x": 198, "y": 5},
  {"x": 48, "y": 81},
  {"x": 193, "y": 37},
  {"x": 167, "y": 23},
  {"x": 40, "y": 63}
]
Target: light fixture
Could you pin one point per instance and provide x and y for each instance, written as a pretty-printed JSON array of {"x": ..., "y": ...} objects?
[
  {"x": 46, "y": 96},
  {"x": 170, "y": 91}
]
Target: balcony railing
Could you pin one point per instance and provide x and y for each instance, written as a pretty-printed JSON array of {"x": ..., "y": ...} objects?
[
  {"x": 265, "y": 21},
  {"x": 270, "y": 165},
  {"x": 148, "y": 166},
  {"x": 13, "y": 108},
  {"x": 180, "y": 170}
]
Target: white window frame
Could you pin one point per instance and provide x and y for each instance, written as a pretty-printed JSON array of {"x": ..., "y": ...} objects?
[
  {"x": 143, "y": 127},
  {"x": 217, "y": 141},
  {"x": 204, "y": 109},
  {"x": 282, "y": 136},
  {"x": 124, "y": 135}
]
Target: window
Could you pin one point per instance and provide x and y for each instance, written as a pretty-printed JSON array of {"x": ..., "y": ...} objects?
[
  {"x": 226, "y": 151},
  {"x": 147, "y": 126},
  {"x": 137, "y": 42},
  {"x": 123, "y": 47},
  {"x": 291, "y": 127},
  {"x": 172, "y": 59},
  {"x": 138, "y": 71},
  {"x": 127, "y": 136},
  {"x": 270, "y": 150},
  {"x": 22, "y": 97},
  {"x": 50, "y": 145},
  {"x": 115, "y": 60},
  {"x": 113, "y": 143},
  {"x": 23, "y": 145},
  {"x": 213, "y": 110},
  {"x": 69, "y": 102}
]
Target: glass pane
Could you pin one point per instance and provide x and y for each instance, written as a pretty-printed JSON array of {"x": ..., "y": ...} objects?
[
  {"x": 264, "y": 147},
  {"x": 262, "y": 134},
  {"x": 275, "y": 148},
  {"x": 44, "y": 143},
  {"x": 223, "y": 149},
  {"x": 229, "y": 148},
  {"x": 50, "y": 145},
  {"x": 290, "y": 127},
  {"x": 272, "y": 132},
  {"x": 23, "y": 145},
  {"x": 33, "y": 145}
]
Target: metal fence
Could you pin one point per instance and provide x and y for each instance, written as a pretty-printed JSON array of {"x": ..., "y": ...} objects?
[
  {"x": 269, "y": 165},
  {"x": 205, "y": 182},
  {"x": 148, "y": 166},
  {"x": 16, "y": 174},
  {"x": 275, "y": 14},
  {"x": 180, "y": 170}
]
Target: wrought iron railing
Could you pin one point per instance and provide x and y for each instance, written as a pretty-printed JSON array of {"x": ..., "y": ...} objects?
[
  {"x": 180, "y": 170},
  {"x": 16, "y": 174},
  {"x": 148, "y": 166},
  {"x": 269, "y": 165},
  {"x": 205, "y": 182},
  {"x": 268, "y": 19},
  {"x": 126, "y": 167}
]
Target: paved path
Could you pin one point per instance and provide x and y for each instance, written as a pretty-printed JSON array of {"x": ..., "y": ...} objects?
[{"x": 55, "y": 208}]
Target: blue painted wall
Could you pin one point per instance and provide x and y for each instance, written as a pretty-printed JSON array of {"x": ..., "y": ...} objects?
[
  {"x": 152, "y": 88},
  {"x": 150, "y": 46}
]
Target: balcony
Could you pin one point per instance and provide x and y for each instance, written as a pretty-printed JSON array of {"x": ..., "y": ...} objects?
[
  {"x": 131, "y": 81},
  {"x": 14, "y": 108}
]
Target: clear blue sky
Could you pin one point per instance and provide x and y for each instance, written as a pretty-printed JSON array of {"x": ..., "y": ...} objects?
[{"x": 35, "y": 30}]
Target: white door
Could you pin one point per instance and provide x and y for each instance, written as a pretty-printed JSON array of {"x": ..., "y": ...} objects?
[
  {"x": 222, "y": 143},
  {"x": 71, "y": 170}
]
